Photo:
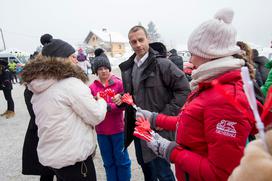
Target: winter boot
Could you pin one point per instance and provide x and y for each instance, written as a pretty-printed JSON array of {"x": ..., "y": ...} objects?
[
  {"x": 10, "y": 114},
  {"x": 4, "y": 113}
]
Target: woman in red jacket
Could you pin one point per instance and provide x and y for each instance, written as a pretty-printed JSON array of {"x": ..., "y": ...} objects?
[{"x": 211, "y": 132}]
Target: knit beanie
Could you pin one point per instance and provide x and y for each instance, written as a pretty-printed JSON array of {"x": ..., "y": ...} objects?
[
  {"x": 55, "y": 47},
  {"x": 101, "y": 61},
  {"x": 215, "y": 38}
]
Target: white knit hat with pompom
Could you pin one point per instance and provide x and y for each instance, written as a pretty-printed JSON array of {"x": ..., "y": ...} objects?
[{"x": 215, "y": 38}]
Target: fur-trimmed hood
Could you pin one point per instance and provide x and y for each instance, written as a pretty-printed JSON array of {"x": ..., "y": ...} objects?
[
  {"x": 43, "y": 72},
  {"x": 51, "y": 68}
]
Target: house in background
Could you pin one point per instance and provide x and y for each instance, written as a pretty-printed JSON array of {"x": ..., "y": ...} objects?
[{"x": 113, "y": 43}]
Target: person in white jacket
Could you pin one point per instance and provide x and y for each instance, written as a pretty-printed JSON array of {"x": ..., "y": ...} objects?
[{"x": 65, "y": 111}]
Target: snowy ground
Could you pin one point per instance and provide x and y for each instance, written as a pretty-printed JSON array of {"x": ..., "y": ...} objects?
[{"x": 12, "y": 133}]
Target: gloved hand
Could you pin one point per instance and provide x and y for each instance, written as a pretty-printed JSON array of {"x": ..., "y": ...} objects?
[
  {"x": 161, "y": 146},
  {"x": 150, "y": 116}
]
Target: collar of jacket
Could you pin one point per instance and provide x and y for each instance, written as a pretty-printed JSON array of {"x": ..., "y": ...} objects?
[
  {"x": 227, "y": 78},
  {"x": 130, "y": 62},
  {"x": 110, "y": 82},
  {"x": 46, "y": 68}
]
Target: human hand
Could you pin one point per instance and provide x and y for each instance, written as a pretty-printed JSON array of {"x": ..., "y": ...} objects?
[
  {"x": 150, "y": 116},
  {"x": 117, "y": 99},
  {"x": 110, "y": 92},
  {"x": 101, "y": 94},
  {"x": 142, "y": 129},
  {"x": 161, "y": 146},
  {"x": 127, "y": 98}
]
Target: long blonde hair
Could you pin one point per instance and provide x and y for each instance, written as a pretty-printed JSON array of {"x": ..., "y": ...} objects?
[{"x": 246, "y": 55}]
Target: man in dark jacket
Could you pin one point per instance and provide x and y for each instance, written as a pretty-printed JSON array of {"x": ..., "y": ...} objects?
[
  {"x": 261, "y": 70},
  {"x": 147, "y": 76},
  {"x": 176, "y": 59},
  {"x": 6, "y": 86}
]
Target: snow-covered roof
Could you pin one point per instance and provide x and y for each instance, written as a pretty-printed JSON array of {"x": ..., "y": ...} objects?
[{"x": 106, "y": 35}]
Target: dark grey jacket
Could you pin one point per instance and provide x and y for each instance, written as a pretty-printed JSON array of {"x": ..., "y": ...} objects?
[
  {"x": 260, "y": 62},
  {"x": 176, "y": 59},
  {"x": 164, "y": 89}
]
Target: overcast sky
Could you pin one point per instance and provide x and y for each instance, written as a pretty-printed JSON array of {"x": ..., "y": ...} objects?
[{"x": 24, "y": 21}]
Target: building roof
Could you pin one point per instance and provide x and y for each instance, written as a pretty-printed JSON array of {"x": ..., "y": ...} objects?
[{"x": 105, "y": 36}]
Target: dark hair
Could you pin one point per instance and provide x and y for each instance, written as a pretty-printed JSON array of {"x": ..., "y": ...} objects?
[{"x": 137, "y": 28}]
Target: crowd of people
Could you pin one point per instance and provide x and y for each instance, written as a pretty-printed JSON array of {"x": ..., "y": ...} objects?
[{"x": 197, "y": 115}]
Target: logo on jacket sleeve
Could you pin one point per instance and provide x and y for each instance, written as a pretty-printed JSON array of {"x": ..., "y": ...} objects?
[{"x": 226, "y": 128}]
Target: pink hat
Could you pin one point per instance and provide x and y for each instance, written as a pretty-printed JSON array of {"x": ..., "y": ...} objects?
[{"x": 215, "y": 38}]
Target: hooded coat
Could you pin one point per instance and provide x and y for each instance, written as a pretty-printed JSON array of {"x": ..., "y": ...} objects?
[
  {"x": 261, "y": 70},
  {"x": 164, "y": 89},
  {"x": 65, "y": 111},
  {"x": 176, "y": 59}
]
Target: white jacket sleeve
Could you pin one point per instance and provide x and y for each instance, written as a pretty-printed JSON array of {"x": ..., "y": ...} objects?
[{"x": 82, "y": 102}]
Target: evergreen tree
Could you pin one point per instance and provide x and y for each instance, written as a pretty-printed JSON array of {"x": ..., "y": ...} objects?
[{"x": 152, "y": 32}]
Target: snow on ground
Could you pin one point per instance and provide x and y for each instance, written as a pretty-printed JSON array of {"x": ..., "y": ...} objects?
[{"x": 12, "y": 133}]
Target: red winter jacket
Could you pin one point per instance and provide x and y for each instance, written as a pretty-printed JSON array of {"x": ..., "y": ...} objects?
[{"x": 211, "y": 132}]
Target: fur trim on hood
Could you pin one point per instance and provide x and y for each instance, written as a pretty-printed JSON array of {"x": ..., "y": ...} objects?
[{"x": 51, "y": 68}]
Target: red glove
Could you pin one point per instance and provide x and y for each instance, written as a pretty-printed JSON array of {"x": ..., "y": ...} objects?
[
  {"x": 142, "y": 134},
  {"x": 103, "y": 95},
  {"x": 142, "y": 129},
  {"x": 110, "y": 92},
  {"x": 143, "y": 123},
  {"x": 127, "y": 98},
  {"x": 159, "y": 145}
]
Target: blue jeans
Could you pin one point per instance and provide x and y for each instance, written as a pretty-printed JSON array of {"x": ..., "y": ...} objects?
[
  {"x": 157, "y": 169},
  {"x": 116, "y": 161}
]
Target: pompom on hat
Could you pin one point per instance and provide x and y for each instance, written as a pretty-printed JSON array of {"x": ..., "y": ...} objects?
[
  {"x": 55, "y": 47},
  {"x": 215, "y": 38},
  {"x": 98, "y": 52}
]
